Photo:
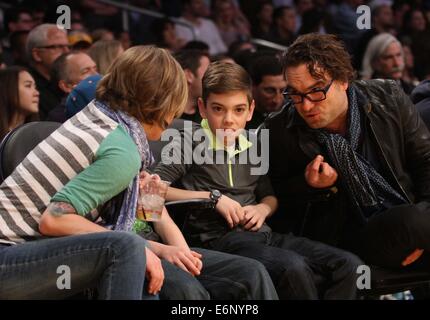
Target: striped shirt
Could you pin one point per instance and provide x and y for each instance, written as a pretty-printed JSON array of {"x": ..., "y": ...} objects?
[{"x": 85, "y": 162}]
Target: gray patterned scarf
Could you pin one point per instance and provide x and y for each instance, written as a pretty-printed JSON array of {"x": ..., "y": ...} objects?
[
  {"x": 362, "y": 181},
  {"x": 133, "y": 127}
]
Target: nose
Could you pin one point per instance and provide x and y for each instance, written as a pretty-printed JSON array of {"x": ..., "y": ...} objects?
[
  {"x": 307, "y": 105},
  {"x": 278, "y": 98},
  {"x": 228, "y": 118},
  {"x": 36, "y": 92}
]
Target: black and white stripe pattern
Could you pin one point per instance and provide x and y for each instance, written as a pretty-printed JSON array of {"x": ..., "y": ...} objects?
[{"x": 25, "y": 194}]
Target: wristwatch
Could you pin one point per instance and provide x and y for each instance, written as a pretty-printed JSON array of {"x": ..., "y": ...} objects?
[{"x": 215, "y": 195}]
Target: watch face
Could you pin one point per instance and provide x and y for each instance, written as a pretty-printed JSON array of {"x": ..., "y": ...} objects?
[{"x": 215, "y": 194}]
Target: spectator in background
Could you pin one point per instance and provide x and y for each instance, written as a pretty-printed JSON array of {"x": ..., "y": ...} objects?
[
  {"x": 103, "y": 52},
  {"x": 384, "y": 59},
  {"x": 16, "y": 19},
  {"x": 301, "y": 7},
  {"x": 400, "y": 7},
  {"x": 231, "y": 23},
  {"x": 67, "y": 71},
  {"x": 343, "y": 17},
  {"x": 416, "y": 28},
  {"x": 79, "y": 40},
  {"x": 409, "y": 70},
  {"x": 18, "y": 40},
  {"x": 81, "y": 95},
  {"x": 313, "y": 20},
  {"x": 268, "y": 85},
  {"x": 284, "y": 32},
  {"x": 45, "y": 43},
  {"x": 382, "y": 21},
  {"x": 165, "y": 35},
  {"x": 204, "y": 29},
  {"x": 102, "y": 34},
  {"x": 19, "y": 98},
  {"x": 194, "y": 63},
  {"x": 262, "y": 25}
]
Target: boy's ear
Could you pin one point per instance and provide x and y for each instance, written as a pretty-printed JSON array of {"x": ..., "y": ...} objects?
[
  {"x": 251, "y": 110},
  {"x": 202, "y": 108}
]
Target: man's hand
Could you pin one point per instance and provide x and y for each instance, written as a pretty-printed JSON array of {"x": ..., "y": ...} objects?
[
  {"x": 320, "y": 174},
  {"x": 231, "y": 210},
  {"x": 255, "y": 215},
  {"x": 154, "y": 272},
  {"x": 188, "y": 260}
]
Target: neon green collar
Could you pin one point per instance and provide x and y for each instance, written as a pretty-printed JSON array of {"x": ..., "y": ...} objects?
[{"x": 244, "y": 143}]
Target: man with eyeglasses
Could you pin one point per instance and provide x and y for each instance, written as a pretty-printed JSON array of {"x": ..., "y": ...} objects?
[
  {"x": 350, "y": 162},
  {"x": 45, "y": 43},
  {"x": 268, "y": 84}
]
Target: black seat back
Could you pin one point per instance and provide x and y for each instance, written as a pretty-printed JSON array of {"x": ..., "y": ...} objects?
[{"x": 18, "y": 143}]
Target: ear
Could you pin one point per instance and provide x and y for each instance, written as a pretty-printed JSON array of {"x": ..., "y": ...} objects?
[
  {"x": 189, "y": 76},
  {"x": 35, "y": 55},
  {"x": 251, "y": 110},
  {"x": 344, "y": 86},
  {"x": 202, "y": 108},
  {"x": 67, "y": 88}
]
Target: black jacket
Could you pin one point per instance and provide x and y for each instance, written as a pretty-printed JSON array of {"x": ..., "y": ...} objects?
[
  {"x": 421, "y": 97},
  {"x": 402, "y": 144}
]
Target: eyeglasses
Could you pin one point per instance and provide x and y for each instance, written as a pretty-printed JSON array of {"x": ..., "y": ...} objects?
[
  {"x": 56, "y": 47},
  {"x": 315, "y": 95}
]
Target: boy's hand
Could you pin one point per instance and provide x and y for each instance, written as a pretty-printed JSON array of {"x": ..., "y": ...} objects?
[
  {"x": 188, "y": 260},
  {"x": 320, "y": 174},
  {"x": 231, "y": 210},
  {"x": 255, "y": 215},
  {"x": 145, "y": 177},
  {"x": 154, "y": 272}
]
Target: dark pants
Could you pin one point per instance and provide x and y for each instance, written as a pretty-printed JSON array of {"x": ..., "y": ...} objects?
[
  {"x": 223, "y": 277},
  {"x": 300, "y": 268},
  {"x": 389, "y": 237}
]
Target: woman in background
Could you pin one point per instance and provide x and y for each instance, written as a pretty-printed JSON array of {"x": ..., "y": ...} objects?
[
  {"x": 19, "y": 98},
  {"x": 104, "y": 52}
]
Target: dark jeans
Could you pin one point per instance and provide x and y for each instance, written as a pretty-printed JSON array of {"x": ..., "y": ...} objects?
[
  {"x": 300, "y": 268},
  {"x": 389, "y": 237},
  {"x": 112, "y": 262},
  {"x": 224, "y": 277}
]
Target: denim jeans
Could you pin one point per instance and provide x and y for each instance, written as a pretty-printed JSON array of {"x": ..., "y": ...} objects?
[
  {"x": 112, "y": 262},
  {"x": 300, "y": 268}
]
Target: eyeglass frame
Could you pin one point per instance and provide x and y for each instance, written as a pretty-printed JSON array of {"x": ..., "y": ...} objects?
[{"x": 304, "y": 95}]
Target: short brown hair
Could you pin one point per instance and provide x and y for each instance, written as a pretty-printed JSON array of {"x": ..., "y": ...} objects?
[
  {"x": 147, "y": 83},
  {"x": 321, "y": 53},
  {"x": 222, "y": 77}
]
